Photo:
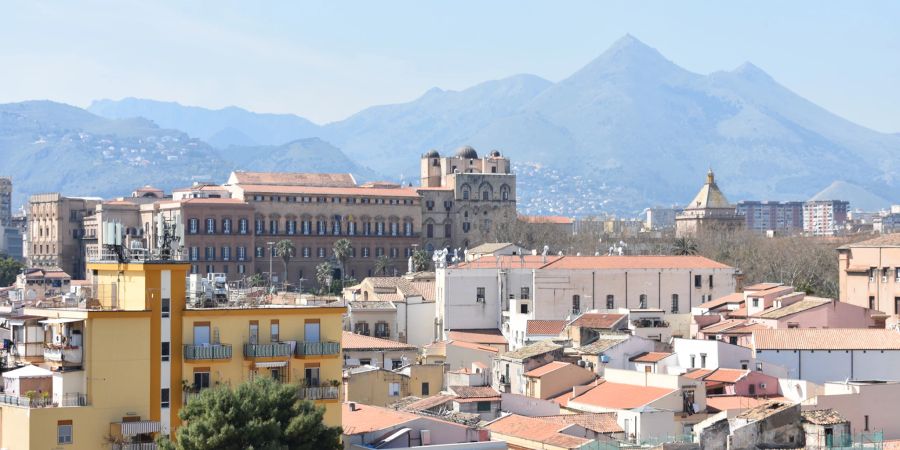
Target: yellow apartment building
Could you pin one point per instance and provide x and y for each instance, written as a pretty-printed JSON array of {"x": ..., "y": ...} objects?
[{"x": 129, "y": 353}]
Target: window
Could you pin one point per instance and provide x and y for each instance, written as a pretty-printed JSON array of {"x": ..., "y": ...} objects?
[
  {"x": 897, "y": 275},
  {"x": 164, "y": 398},
  {"x": 254, "y": 332},
  {"x": 866, "y": 423},
  {"x": 195, "y": 253},
  {"x": 362, "y": 328},
  {"x": 698, "y": 281},
  {"x": 226, "y": 253},
  {"x": 643, "y": 301},
  {"x": 210, "y": 253},
  {"x": 759, "y": 367},
  {"x": 193, "y": 226},
  {"x": 447, "y": 230},
  {"x": 165, "y": 351},
  {"x": 486, "y": 195},
  {"x": 274, "y": 329},
  {"x": 693, "y": 361},
  {"x": 306, "y": 252},
  {"x": 871, "y": 302},
  {"x": 365, "y": 362},
  {"x": 64, "y": 432},
  {"x": 872, "y": 272},
  {"x": 896, "y": 305},
  {"x": 429, "y": 230},
  {"x": 610, "y": 301},
  {"x": 752, "y": 389},
  {"x": 226, "y": 226},
  {"x": 210, "y": 226},
  {"x": 382, "y": 330},
  {"x": 425, "y": 388},
  {"x": 273, "y": 227},
  {"x": 576, "y": 304},
  {"x": 241, "y": 269},
  {"x": 479, "y": 295},
  {"x": 242, "y": 253},
  {"x": 321, "y": 252},
  {"x": 242, "y": 226},
  {"x": 674, "y": 303},
  {"x": 165, "y": 307},
  {"x": 484, "y": 406},
  {"x": 703, "y": 360},
  {"x": 525, "y": 292},
  {"x": 396, "y": 364},
  {"x": 523, "y": 308},
  {"x": 259, "y": 252},
  {"x": 259, "y": 226},
  {"x": 393, "y": 389},
  {"x": 201, "y": 380},
  {"x": 312, "y": 376},
  {"x": 201, "y": 333},
  {"x": 755, "y": 302},
  {"x": 465, "y": 193}
]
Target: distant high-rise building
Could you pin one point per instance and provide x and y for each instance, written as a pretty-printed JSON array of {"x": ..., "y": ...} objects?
[
  {"x": 771, "y": 215},
  {"x": 824, "y": 217},
  {"x": 660, "y": 218},
  {"x": 6, "y": 188},
  {"x": 55, "y": 231},
  {"x": 708, "y": 211}
]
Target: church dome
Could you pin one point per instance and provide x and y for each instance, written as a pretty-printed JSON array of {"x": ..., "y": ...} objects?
[
  {"x": 495, "y": 154},
  {"x": 431, "y": 154},
  {"x": 467, "y": 152}
]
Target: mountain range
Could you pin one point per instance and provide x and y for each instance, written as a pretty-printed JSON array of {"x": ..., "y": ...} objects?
[{"x": 628, "y": 130}]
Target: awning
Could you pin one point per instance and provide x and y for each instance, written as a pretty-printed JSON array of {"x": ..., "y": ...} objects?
[
  {"x": 55, "y": 321},
  {"x": 266, "y": 365},
  {"x": 135, "y": 428}
]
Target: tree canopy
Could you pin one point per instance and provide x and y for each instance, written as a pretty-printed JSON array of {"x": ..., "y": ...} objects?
[
  {"x": 9, "y": 268},
  {"x": 261, "y": 414}
]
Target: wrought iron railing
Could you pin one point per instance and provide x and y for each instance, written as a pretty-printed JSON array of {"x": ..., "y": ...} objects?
[
  {"x": 209, "y": 351},
  {"x": 318, "y": 348},
  {"x": 319, "y": 393},
  {"x": 267, "y": 350}
]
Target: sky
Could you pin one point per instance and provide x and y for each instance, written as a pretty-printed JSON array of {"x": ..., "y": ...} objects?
[{"x": 327, "y": 60}]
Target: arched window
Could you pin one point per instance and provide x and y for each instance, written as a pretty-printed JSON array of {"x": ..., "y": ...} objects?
[{"x": 485, "y": 195}]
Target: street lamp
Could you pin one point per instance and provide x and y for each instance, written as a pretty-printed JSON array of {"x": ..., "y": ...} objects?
[{"x": 271, "y": 253}]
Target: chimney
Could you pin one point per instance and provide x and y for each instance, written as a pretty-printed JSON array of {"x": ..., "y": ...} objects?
[{"x": 352, "y": 406}]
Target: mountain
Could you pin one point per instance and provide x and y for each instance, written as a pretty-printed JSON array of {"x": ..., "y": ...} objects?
[
  {"x": 859, "y": 198},
  {"x": 302, "y": 155},
  {"x": 221, "y": 128}
]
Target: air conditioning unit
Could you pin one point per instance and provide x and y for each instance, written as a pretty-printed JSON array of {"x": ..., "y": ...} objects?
[
  {"x": 581, "y": 363},
  {"x": 604, "y": 359},
  {"x": 762, "y": 385}
]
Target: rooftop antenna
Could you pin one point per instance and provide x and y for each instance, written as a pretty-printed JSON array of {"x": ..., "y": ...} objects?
[{"x": 544, "y": 253}]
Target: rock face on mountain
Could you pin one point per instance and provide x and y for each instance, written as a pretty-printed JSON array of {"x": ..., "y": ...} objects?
[{"x": 630, "y": 128}]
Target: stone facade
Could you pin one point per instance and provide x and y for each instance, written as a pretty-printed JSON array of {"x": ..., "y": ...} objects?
[
  {"x": 709, "y": 211},
  {"x": 55, "y": 231}
]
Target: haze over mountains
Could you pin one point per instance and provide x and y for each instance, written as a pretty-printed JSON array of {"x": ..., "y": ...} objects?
[{"x": 630, "y": 129}]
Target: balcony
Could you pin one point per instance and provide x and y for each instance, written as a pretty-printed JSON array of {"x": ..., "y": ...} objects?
[
  {"x": 650, "y": 323},
  {"x": 267, "y": 350},
  {"x": 34, "y": 401},
  {"x": 207, "y": 351},
  {"x": 318, "y": 348},
  {"x": 135, "y": 446},
  {"x": 65, "y": 355},
  {"x": 319, "y": 393}
]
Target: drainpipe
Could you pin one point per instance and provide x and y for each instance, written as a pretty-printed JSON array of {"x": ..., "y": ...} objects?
[{"x": 593, "y": 290}]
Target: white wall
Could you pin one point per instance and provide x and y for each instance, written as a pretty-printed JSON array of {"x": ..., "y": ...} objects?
[
  {"x": 527, "y": 406},
  {"x": 880, "y": 402},
  {"x": 619, "y": 354},
  {"x": 718, "y": 354},
  {"x": 419, "y": 324},
  {"x": 821, "y": 366}
]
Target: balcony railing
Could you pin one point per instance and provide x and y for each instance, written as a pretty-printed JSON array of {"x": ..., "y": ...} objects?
[
  {"x": 135, "y": 446},
  {"x": 650, "y": 323},
  {"x": 319, "y": 393},
  {"x": 209, "y": 351},
  {"x": 63, "y": 355},
  {"x": 267, "y": 350},
  {"x": 70, "y": 399},
  {"x": 318, "y": 348}
]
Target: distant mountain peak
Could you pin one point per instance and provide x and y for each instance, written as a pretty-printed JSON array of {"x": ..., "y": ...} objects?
[{"x": 752, "y": 71}]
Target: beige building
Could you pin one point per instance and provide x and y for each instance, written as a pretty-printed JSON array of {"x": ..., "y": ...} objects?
[
  {"x": 709, "y": 210},
  {"x": 869, "y": 273},
  {"x": 465, "y": 197},
  {"x": 55, "y": 230},
  {"x": 361, "y": 350},
  {"x": 381, "y": 387},
  {"x": 555, "y": 378}
]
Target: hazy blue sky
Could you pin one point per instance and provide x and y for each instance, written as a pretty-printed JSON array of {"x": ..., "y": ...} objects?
[{"x": 326, "y": 60}]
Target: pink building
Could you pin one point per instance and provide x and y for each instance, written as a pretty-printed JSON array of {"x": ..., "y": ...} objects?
[{"x": 744, "y": 383}]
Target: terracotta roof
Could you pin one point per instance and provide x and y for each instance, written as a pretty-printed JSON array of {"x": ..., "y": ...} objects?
[
  {"x": 727, "y": 375},
  {"x": 747, "y": 329},
  {"x": 478, "y": 336},
  {"x": 726, "y": 402},
  {"x": 468, "y": 392},
  {"x": 547, "y": 368},
  {"x": 316, "y": 190},
  {"x": 761, "y": 286},
  {"x": 596, "y": 422},
  {"x": 295, "y": 179},
  {"x": 794, "y": 308},
  {"x": 822, "y": 417},
  {"x": 558, "y": 220},
  {"x": 765, "y": 409},
  {"x": 368, "y": 418},
  {"x": 636, "y": 262},
  {"x": 429, "y": 402},
  {"x": 885, "y": 240},
  {"x": 401, "y": 287},
  {"x": 724, "y": 325},
  {"x": 436, "y": 349},
  {"x": 650, "y": 357},
  {"x": 490, "y": 247},
  {"x": 597, "y": 320},
  {"x": 529, "y": 351},
  {"x": 620, "y": 396},
  {"x": 511, "y": 261},
  {"x": 473, "y": 346},
  {"x": 353, "y": 341},
  {"x": 826, "y": 339},
  {"x": 544, "y": 327},
  {"x": 601, "y": 345},
  {"x": 735, "y": 297},
  {"x": 537, "y": 430},
  {"x": 697, "y": 374}
]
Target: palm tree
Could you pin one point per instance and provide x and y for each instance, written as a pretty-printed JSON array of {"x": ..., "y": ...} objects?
[
  {"x": 420, "y": 260},
  {"x": 381, "y": 265},
  {"x": 342, "y": 250},
  {"x": 684, "y": 246},
  {"x": 323, "y": 275},
  {"x": 285, "y": 249}
]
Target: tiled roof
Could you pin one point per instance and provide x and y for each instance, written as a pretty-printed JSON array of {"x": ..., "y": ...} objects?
[
  {"x": 295, "y": 179},
  {"x": 761, "y": 286},
  {"x": 747, "y": 329},
  {"x": 765, "y": 409},
  {"x": 316, "y": 190},
  {"x": 472, "y": 346},
  {"x": 597, "y": 320},
  {"x": 371, "y": 305},
  {"x": 726, "y": 402},
  {"x": 735, "y": 297},
  {"x": 620, "y": 396},
  {"x": 558, "y": 220},
  {"x": 724, "y": 375},
  {"x": 353, "y": 341},
  {"x": 697, "y": 374},
  {"x": 429, "y": 402},
  {"x": 537, "y": 430},
  {"x": 826, "y": 339},
  {"x": 596, "y": 422},
  {"x": 402, "y": 288},
  {"x": 478, "y": 336},
  {"x": 822, "y": 417},
  {"x": 601, "y": 345},
  {"x": 547, "y": 368},
  {"x": 528, "y": 351},
  {"x": 474, "y": 392},
  {"x": 544, "y": 327},
  {"x": 650, "y": 357},
  {"x": 724, "y": 325},
  {"x": 885, "y": 240},
  {"x": 368, "y": 418},
  {"x": 794, "y": 308},
  {"x": 509, "y": 261},
  {"x": 490, "y": 247},
  {"x": 436, "y": 349},
  {"x": 636, "y": 262}
]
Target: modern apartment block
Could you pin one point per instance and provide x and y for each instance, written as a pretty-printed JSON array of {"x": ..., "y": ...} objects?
[
  {"x": 55, "y": 230},
  {"x": 6, "y": 187},
  {"x": 120, "y": 362},
  {"x": 772, "y": 216},
  {"x": 869, "y": 273},
  {"x": 824, "y": 217},
  {"x": 465, "y": 197}
]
